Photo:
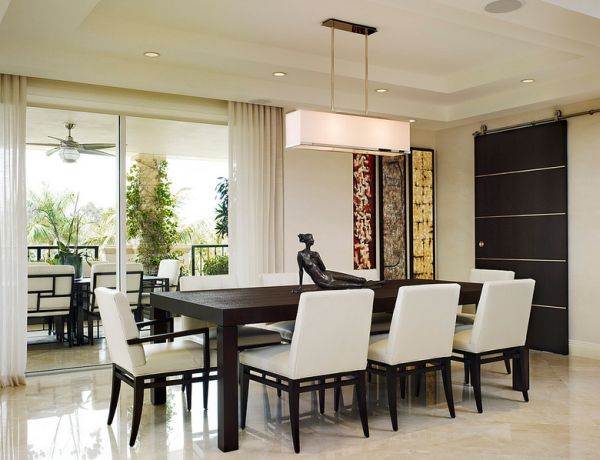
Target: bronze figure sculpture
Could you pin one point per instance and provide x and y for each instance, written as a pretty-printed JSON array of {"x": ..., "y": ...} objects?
[{"x": 311, "y": 262}]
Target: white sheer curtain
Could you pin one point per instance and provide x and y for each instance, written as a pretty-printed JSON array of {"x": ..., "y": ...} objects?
[
  {"x": 13, "y": 231},
  {"x": 255, "y": 191}
]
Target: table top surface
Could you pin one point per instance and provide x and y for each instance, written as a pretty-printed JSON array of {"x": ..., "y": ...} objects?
[{"x": 227, "y": 307}]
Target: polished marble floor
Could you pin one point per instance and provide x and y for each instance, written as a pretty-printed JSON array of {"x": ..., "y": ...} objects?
[{"x": 63, "y": 415}]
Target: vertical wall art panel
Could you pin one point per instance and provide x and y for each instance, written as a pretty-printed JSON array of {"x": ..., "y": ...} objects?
[
  {"x": 392, "y": 205},
  {"x": 363, "y": 188},
  {"x": 421, "y": 197}
]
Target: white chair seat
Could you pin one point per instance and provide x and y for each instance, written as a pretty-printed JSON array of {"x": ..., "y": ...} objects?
[
  {"x": 465, "y": 318},
  {"x": 273, "y": 359},
  {"x": 175, "y": 356},
  {"x": 377, "y": 348},
  {"x": 462, "y": 341},
  {"x": 284, "y": 328}
]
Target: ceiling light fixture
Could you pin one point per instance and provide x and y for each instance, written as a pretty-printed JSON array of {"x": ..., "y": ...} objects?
[
  {"x": 279, "y": 74},
  {"x": 306, "y": 129},
  {"x": 411, "y": 120},
  {"x": 527, "y": 80},
  {"x": 503, "y": 6},
  {"x": 381, "y": 90},
  {"x": 152, "y": 54}
]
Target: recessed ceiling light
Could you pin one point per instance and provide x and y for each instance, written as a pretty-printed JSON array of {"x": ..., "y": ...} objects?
[
  {"x": 503, "y": 6},
  {"x": 151, "y": 54},
  {"x": 279, "y": 74},
  {"x": 411, "y": 120},
  {"x": 527, "y": 80},
  {"x": 381, "y": 90}
]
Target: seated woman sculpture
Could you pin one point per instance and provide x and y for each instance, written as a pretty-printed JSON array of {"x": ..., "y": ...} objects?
[{"x": 310, "y": 261}]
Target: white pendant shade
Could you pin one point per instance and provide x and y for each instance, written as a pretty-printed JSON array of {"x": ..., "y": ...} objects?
[{"x": 305, "y": 129}]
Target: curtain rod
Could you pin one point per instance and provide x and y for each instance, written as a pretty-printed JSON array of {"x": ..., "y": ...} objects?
[{"x": 557, "y": 117}]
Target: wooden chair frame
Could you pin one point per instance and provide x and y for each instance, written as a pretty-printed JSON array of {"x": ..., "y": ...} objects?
[
  {"x": 473, "y": 362},
  {"x": 140, "y": 383},
  {"x": 391, "y": 372},
  {"x": 294, "y": 387}
]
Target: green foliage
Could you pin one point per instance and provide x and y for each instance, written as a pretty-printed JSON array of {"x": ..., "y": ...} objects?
[
  {"x": 55, "y": 220},
  {"x": 151, "y": 216},
  {"x": 222, "y": 209},
  {"x": 218, "y": 265}
]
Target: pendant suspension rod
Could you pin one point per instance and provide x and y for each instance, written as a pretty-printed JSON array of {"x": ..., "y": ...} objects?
[
  {"x": 366, "y": 72},
  {"x": 557, "y": 117},
  {"x": 332, "y": 68}
]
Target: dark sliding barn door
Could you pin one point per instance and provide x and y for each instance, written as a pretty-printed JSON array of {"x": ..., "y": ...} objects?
[{"x": 521, "y": 220}]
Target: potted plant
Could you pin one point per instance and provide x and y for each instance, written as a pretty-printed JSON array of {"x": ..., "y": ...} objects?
[{"x": 57, "y": 219}]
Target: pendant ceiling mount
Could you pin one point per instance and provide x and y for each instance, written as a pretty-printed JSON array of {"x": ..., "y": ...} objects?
[{"x": 345, "y": 132}]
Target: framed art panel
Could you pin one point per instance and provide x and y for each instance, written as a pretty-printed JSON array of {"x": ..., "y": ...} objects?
[
  {"x": 363, "y": 204},
  {"x": 392, "y": 209},
  {"x": 421, "y": 197}
]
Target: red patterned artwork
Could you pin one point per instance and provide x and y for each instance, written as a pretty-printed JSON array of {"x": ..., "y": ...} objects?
[{"x": 363, "y": 189}]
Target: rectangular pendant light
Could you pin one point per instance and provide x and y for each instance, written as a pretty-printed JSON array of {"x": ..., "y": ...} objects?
[{"x": 337, "y": 132}]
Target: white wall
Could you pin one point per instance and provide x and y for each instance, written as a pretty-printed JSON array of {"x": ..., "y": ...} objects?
[
  {"x": 455, "y": 214},
  {"x": 318, "y": 200}
]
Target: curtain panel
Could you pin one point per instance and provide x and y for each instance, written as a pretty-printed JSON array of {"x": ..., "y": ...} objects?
[
  {"x": 255, "y": 191},
  {"x": 13, "y": 231}
]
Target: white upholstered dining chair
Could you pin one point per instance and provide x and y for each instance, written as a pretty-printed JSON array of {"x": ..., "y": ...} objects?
[
  {"x": 466, "y": 314},
  {"x": 137, "y": 362},
  {"x": 420, "y": 336},
  {"x": 330, "y": 341},
  {"x": 498, "y": 333}
]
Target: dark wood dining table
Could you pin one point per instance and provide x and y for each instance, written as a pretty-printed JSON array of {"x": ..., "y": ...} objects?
[{"x": 229, "y": 308}]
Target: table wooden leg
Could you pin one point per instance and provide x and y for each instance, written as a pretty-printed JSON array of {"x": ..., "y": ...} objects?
[
  {"x": 159, "y": 395},
  {"x": 227, "y": 363}
]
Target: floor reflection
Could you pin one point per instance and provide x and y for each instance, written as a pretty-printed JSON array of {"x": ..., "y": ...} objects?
[{"x": 63, "y": 416}]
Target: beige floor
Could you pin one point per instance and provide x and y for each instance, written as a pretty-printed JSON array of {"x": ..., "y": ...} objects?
[{"x": 64, "y": 416}]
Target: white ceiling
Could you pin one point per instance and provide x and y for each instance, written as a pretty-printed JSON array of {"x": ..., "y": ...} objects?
[
  {"x": 442, "y": 60},
  {"x": 174, "y": 139}
]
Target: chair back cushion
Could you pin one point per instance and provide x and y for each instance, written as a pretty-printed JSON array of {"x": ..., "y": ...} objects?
[
  {"x": 502, "y": 315},
  {"x": 104, "y": 275},
  {"x": 423, "y": 323},
  {"x": 283, "y": 279},
  {"x": 480, "y": 275},
  {"x": 331, "y": 333},
  {"x": 119, "y": 326},
  {"x": 49, "y": 287},
  {"x": 169, "y": 268},
  {"x": 201, "y": 283}
]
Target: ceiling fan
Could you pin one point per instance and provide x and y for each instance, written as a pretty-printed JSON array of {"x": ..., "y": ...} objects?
[{"x": 69, "y": 150}]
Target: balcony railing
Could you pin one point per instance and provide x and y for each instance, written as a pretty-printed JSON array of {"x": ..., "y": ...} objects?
[
  {"x": 203, "y": 252},
  {"x": 39, "y": 253}
]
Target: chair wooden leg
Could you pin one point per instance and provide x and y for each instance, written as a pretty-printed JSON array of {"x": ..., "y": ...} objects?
[
  {"x": 466, "y": 365},
  {"x": 114, "y": 396},
  {"x": 361, "y": 393},
  {"x": 337, "y": 391},
  {"x": 90, "y": 320},
  {"x": 294, "y": 400},
  {"x": 403, "y": 383},
  {"x": 244, "y": 397},
  {"x": 475, "y": 368},
  {"x": 322, "y": 398},
  {"x": 507, "y": 362},
  {"x": 521, "y": 368},
  {"x": 205, "y": 384},
  {"x": 138, "y": 405},
  {"x": 447, "y": 380},
  {"x": 278, "y": 389},
  {"x": 188, "y": 392},
  {"x": 391, "y": 391}
]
